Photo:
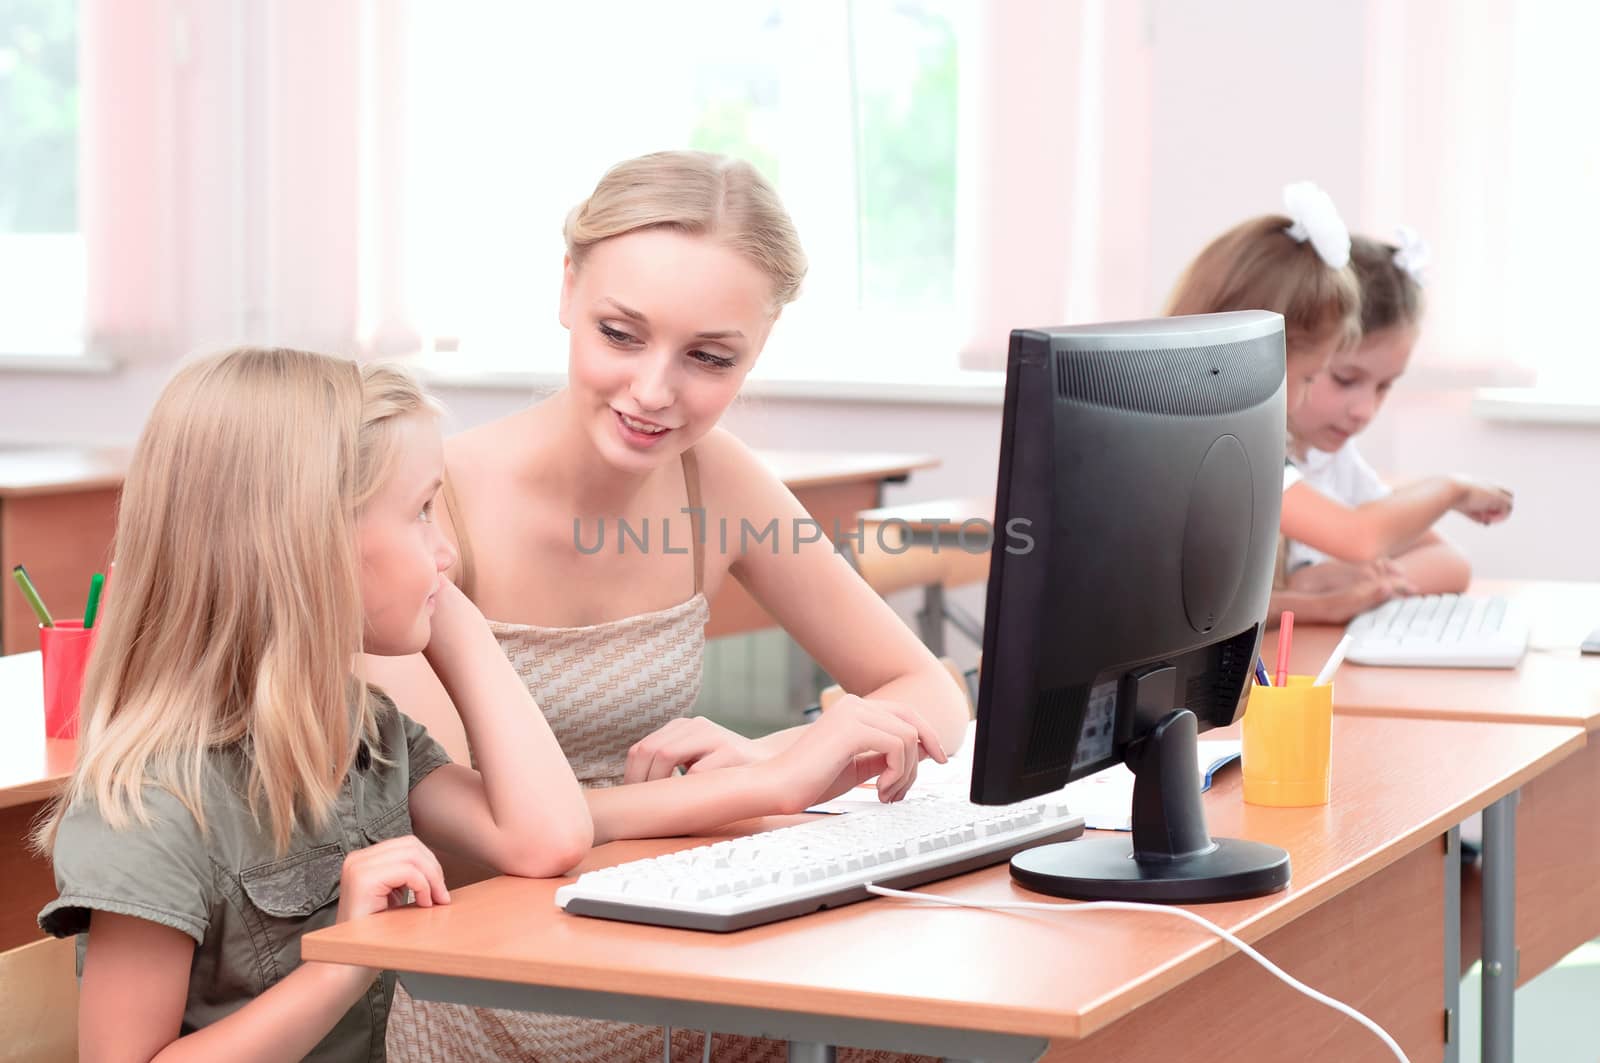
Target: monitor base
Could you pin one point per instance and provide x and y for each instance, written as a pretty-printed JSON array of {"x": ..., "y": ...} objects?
[{"x": 1104, "y": 869}]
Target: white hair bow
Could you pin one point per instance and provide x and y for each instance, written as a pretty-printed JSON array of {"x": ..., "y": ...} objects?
[
  {"x": 1411, "y": 253},
  {"x": 1313, "y": 217}
]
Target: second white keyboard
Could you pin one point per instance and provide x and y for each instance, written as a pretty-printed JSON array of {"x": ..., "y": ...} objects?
[
  {"x": 1440, "y": 631},
  {"x": 822, "y": 863}
]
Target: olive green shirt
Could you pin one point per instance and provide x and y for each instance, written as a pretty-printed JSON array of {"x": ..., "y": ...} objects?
[{"x": 245, "y": 906}]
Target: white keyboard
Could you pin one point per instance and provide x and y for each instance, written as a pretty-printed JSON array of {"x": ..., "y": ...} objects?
[
  {"x": 822, "y": 863},
  {"x": 1440, "y": 631}
]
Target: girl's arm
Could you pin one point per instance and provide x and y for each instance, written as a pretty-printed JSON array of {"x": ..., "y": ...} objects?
[
  {"x": 1433, "y": 566},
  {"x": 522, "y": 812},
  {"x": 1331, "y": 606},
  {"x": 1385, "y": 526},
  {"x": 136, "y": 978}
]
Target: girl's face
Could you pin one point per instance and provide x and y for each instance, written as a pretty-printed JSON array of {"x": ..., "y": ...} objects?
[
  {"x": 664, "y": 325},
  {"x": 1342, "y": 401},
  {"x": 1302, "y": 367},
  {"x": 403, "y": 553}
]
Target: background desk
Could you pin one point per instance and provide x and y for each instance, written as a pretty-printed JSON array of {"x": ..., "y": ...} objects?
[
  {"x": 58, "y": 511},
  {"x": 32, "y": 769},
  {"x": 1558, "y": 814},
  {"x": 58, "y": 517},
  {"x": 1366, "y": 919},
  {"x": 833, "y": 487}
]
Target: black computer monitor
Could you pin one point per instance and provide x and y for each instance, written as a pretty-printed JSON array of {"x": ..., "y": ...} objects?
[{"x": 1136, "y": 515}]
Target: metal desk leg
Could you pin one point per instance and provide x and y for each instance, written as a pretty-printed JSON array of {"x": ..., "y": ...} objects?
[
  {"x": 1499, "y": 928},
  {"x": 930, "y": 620},
  {"x": 1452, "y": 945},
  {"x": 811, "y": 1052}
]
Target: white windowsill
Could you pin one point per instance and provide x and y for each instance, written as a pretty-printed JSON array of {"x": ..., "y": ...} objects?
[
  {"x": 1537, "y": 406},
  {"x": 75, "y": 364},
  {"x": 955, "y": 388}
]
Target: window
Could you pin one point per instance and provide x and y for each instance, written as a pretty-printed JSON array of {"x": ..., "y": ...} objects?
[
  {"x": 41, "y": 248},
  {"x": 513, "y": 112}
]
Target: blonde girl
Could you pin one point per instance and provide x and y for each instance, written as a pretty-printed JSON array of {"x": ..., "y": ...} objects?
[
  {"x": 676, "y": 270},
  {"x": 238, "y": 783},
  {"x": 1342, "y": 403}
]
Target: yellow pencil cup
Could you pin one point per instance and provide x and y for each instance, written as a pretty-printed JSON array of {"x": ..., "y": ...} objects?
[{"x": 1288, "y": 744}]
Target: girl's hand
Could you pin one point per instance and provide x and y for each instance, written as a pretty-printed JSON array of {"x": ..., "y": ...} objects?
[
  {"x": 1482, "y": 503},
  {"x": 1366, "y": 593},
  {"x": 850, "y": 743},
  {"x": 1327, "y": 577},
  {"x": 455, "y": 622},
  {"x": 691, "y": 743},
  {"x": 376, "y": 878}
]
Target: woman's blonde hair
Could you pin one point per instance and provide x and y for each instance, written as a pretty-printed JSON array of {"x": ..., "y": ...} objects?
[
  {"x": 1257, "y": 265},
  {"x": 697, "y": 193},
  {"x": 234, "y": 613}
]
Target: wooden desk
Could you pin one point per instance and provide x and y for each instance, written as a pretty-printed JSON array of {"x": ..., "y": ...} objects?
[
  {"x": 1365, "y": 919},
  {"x": 833, "y": 486},
  {"x": 32, "y": 770},
  {"x": 58, "y": 512},
  {"x": 58, "y": 516},
  {"x": 1551, "y": 826}
]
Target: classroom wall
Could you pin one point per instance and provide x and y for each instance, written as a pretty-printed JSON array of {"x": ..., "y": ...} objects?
[{"x": 1190, "y": 145}]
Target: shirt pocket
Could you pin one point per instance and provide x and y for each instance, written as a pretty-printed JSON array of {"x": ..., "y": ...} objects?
[
  {"x": 286, "y": 899},
  {"x": 395, "y": 823}
]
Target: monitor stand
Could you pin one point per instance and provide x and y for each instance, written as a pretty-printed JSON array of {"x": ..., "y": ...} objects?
[{"x": 1171, "y": 858}]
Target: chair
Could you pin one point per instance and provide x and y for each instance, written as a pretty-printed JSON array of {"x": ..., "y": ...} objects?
[{"x": 39, "y": 1002}]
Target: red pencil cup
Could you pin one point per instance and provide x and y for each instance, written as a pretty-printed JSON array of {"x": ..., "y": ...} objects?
[{"x": 65, "y": 650}]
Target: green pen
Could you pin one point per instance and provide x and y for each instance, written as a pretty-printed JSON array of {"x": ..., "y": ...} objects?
[
  {"x": 30, "y": 593},
  {"x": 96, "y": 582}
]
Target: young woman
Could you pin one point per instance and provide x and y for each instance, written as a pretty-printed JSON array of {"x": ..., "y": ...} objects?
[{"x": 676, "y": 270}]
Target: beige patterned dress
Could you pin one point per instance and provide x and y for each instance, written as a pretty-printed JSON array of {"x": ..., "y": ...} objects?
[{"x": 602, "y": 688}]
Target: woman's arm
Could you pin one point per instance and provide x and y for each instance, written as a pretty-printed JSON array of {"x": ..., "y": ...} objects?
[
  {"x": 1383, "y": 527},
  {"x": 822, "y": 602},
  {"x": 522, "y": 812}
]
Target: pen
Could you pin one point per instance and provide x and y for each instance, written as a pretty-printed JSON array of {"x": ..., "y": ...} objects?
[
  {"x": 1335, "y": 659},
  {"x": 1285, "y": 637},
  {"x": 97, "y": 584},
  {"x": 31, "y": 593},
  {"x": 1261, "y": 674}
]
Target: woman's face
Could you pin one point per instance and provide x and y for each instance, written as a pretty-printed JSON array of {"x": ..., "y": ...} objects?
[
  {"x": 1344, "y": 399},
  {"x": 664, "y": 326}
]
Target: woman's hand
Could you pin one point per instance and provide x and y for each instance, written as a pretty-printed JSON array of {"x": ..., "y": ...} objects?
[
  {"x": 850, "y": 743},
  {"x": 692, "y": 743}
]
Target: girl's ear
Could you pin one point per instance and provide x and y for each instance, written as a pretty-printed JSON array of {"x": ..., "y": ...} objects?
[{"x": 569, "y": 281}]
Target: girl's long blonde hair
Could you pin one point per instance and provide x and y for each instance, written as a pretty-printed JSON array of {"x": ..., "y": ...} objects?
[
  {"x": 697, "y": 193},
  {"x": 1257, "y": 265},
  {"x": 234, "y": 613}
]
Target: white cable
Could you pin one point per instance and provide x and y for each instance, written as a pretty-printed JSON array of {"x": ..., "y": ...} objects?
[
  {"x": 705, "y": 1056},
  {"x": 1182, "y": 913},
  {"x": 666, "y": 1044}
]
